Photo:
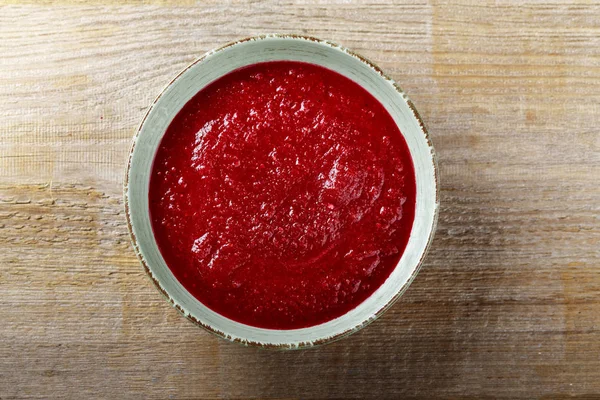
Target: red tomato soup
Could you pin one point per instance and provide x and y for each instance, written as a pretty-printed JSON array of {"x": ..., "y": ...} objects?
[{"x": 282, "y": 195}]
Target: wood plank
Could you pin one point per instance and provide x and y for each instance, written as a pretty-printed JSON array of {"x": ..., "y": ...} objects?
[{"x": 508, "y": 303}]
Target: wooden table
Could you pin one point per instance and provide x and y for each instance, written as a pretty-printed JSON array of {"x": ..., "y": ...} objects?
[{"x": 508, "y": 302}]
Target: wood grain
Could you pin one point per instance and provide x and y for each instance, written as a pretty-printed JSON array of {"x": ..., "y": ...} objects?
[{"x": 508, "y": 302}]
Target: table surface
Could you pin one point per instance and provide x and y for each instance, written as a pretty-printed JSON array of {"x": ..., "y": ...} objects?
[{"x": 507, "y": 304}]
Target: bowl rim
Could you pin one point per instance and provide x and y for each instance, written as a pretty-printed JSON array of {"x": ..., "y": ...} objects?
[{"x": 381, "y": 310}]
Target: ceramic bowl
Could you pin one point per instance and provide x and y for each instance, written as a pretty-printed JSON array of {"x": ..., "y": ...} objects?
[{"x": 222, "y": 61}]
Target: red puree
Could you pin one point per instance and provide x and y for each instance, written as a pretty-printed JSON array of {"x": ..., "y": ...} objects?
[{"x": 282, "y": 195}]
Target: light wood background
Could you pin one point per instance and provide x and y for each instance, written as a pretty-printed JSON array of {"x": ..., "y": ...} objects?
[{"x": 508, "y": 302}]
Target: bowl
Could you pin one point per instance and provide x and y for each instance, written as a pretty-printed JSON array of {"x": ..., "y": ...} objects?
[{"x": 210, "y": 67}]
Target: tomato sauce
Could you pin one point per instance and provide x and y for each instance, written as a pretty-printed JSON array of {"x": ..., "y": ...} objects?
[{"x": 282, "y": 195}]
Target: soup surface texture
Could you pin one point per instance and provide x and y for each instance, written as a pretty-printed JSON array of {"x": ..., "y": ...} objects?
[{"x": 282, "y": 195}]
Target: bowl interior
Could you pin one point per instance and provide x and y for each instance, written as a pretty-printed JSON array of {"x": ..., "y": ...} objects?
[{"x": 220, "y": 62}]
